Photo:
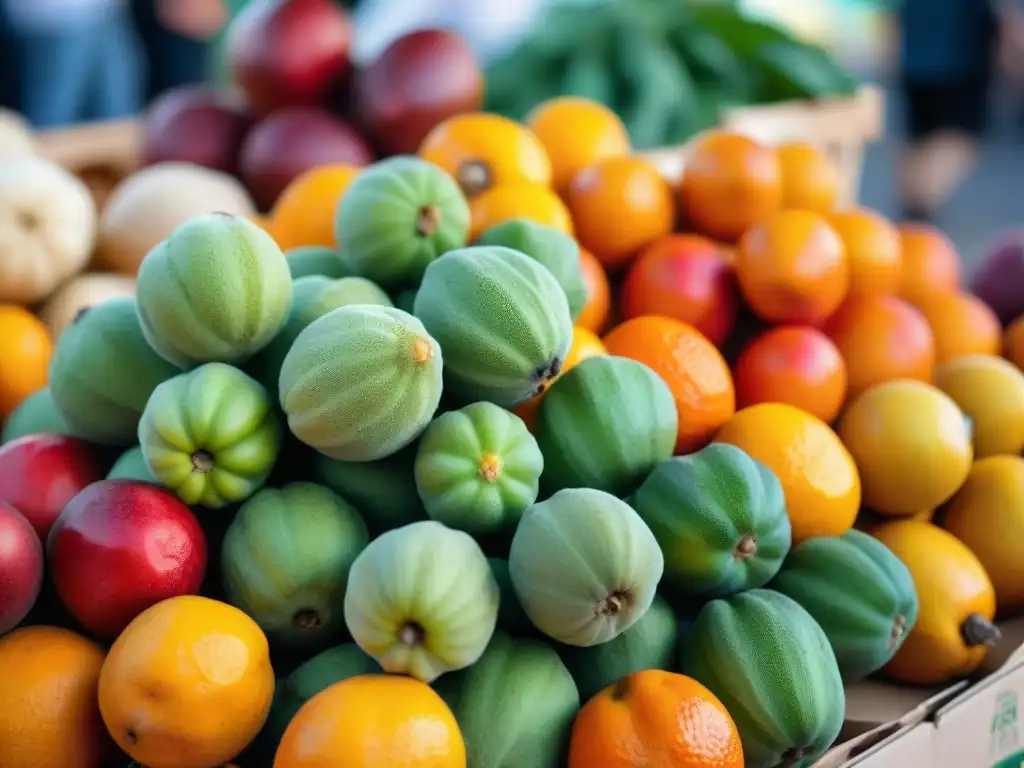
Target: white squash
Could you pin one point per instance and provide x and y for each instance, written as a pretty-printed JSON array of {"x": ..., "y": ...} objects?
[
  {"x": 47, "y": 228},
  {"x": 16, "y": 138},
  {"x": 86, "y": 290}
]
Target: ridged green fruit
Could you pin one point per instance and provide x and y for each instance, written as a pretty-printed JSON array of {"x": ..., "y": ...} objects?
[
  {"x": 317, "y": 260},
  {"x": 361, "y": 382},
  {"x": 770, "y": 664},
  {"x": 218, "y": 289},
  {"x": 861, "y": 594},
  {"x": 397, "y": 217},
  {"x": 511, "y": 616},
  {"x": 584, "y": 566},
  {"x": 210, "y": 435},
  {"x": 478, "y": 469},
  {"x": 502, "y": 320},
  {"x": 285, "y": 562},
  {"x": 103, "y": 373},
  {"x": 648, "y": 644},
  {"x": 551, "y": 247},
  {"x": 422, "y": 600},
  {"x": 720, "y": 519},
  {"x": 131, "y": 465},
  {"x": 605, "y": 424},
  {"x": 515, "y": 707},
  {"x": 35, "y": 415}
]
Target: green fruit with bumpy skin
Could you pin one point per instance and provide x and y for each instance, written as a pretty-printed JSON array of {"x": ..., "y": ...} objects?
[
  {"x": 515, "y": 707},
  {"x": 502, "y": 320},
  {"x": 551, "y": 247},
  {"x": 210, "y": 435},
  {"x": 285, "y": 561},
  {"x": 605, "y": 424},
  {"x": 218, "y": 289},
  {"x": 397, "y": 217},
  {"x": 720, "y": 519},
  {"x": 770, "y": 664},
  {"x": 103, "y": 373},
  {"x": 422, "y": 600},
  {"x": 478, "y": 468},
  {"x": 584, "y": 566},
  {"x": 317, "y": 260},
  {"x": 131, "y": 465},
  {"x": 361, "y": 382},
  {"x": 35, "y": 415},
  {"x": 511, "y": 616},
  {"x": 860, "y": 593}
]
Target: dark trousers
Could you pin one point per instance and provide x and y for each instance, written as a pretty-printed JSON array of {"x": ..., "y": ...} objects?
[{"x": 172, "y": 59}]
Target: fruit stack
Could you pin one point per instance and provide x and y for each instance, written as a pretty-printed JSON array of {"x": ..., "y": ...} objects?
[{"x": 371, "y": 495}]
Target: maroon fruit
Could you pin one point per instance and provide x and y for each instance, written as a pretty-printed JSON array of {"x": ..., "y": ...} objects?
[
  {"x": 418, "y": 81},
  {"x": 121, "y": 546},
  {"x": 290, "y": 142},
  {"x": 999, "y": 278},
  {"x": 289, "y": 53},
  {"x": 40, "y": 474},
  {"x": 21, "y": 567}
]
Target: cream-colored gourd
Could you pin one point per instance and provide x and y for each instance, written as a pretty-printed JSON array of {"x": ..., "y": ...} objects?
[
  {"x": 86, "y": 290},
  {"x": 16, "y": 138}
]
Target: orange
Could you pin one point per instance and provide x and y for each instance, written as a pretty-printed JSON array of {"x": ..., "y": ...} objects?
[
  {"x": 373, "y": 721},
  {"x": 817, "y": 473},
  {"x": 482, "y": 150},
  {"x": 962, "y": 325},
  {"x": 48, "y": 711},
  {"x": 264, "y": 223},
  {"x": 874, "y": 250},
  {"x": 24, "y": 356},
  {"x": 619, "y": 206},
  {"x": 594, "y": 316},
  {"x": 730, "y": 183},
  {"x": 304, "y": 212},
  {"x": 809, "y": 178},
  {"x": 655, "y": 719},
  {"x": 577, "y": 132},
  {"x": 881, "y": 338},
  {"x": 931, "y": 264},
  {"x": 584, "y": 344},
  {"x": 692, "y": 367},
  {"x": 795, "y": 364},
  {"x": 518, "y": 201},
  {"x": 188, "y": 683},
  {"x": 792, "y": 268},
  {"x": 1013, "y": 342}
]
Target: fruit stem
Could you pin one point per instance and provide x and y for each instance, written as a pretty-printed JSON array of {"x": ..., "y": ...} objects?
[
  {"x": 746, "y": 546},
  {"x": 977, "y": 630},
  {"x": 411, "y": 633},
  {"x": 792, "y": 757},
  {"x": 899, "y": 629},
  {"x": 202, "y": 461},
  {"x": 429, "y": 220},
  {"x": 474, "y": 177},
  {"x": 307, "y": 618},
  {"x": 612, "y": 604},
  {"x": 490, "y": 467},
  {"x": 621, "y": 688}
]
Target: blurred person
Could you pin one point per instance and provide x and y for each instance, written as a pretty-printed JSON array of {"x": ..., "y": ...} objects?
[
  {"x": 176, "y": 36},
  {"x": 8, "y": 74}
]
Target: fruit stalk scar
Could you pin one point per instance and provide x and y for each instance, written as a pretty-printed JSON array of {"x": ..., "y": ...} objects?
[
  {"x": 428, "y": 221},
  {"x": 202, "y": 461}
]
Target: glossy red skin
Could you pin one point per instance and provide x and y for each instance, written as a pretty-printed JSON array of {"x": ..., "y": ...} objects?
[
  {"x": 418, "y": 81},
  {"x": 289, "y": 53},
  {"x": 40, "y": 474},
  {"x": 21, "y": 567},
  {"x": 121, "y": 546}
]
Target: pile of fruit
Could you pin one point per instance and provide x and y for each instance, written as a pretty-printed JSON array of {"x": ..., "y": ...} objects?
[{"x": 539, "y": 462}]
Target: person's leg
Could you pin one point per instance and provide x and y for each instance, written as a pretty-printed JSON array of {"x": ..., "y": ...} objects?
[
  {"x": 118, "y": 81},
  {"x": 53, "y": 75},
  {"x": 174, "y": 60}
]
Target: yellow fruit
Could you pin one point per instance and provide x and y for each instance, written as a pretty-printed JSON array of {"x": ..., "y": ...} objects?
[
  {"x": 990, "y": 392},
  {"x": 912, "y": 445}
]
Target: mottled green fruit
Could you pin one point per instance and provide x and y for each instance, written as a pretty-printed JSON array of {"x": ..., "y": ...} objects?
[
  {"x": 397, "y": 217},
  {"x": 35, "y": 415},
  {"x": 317, "y": 260},
  {"x": 131, "y": 465},
  {"x": 218, "y": 289},
  {"x": 210, "y": 435},
  {"x": 502, "y": 320},
  {"x": 103, "y": 373},
  {"x": 511, "y": 616}
]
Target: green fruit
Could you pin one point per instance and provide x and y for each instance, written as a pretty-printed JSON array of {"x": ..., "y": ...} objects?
[
  {"x": 103, "y": 373},
  {"x": 860, "y": 593},
  {"x": 720, "y": 519},
  {"x": 218, "y": 289},
  {"x": 210, "y": 435},
  {"x": 584, "y": 566},
  {"x": 551, "y": 247},
  {"x": 502, "y": 320},
  {"x": 285, "y": 561},
  {"x": 35, "y": 415},
  {"x": 422, "y": 600},
  {"x": 361, "y": 382},
  {"x": 317, "y": 260},
  {"x": 131, "y": 465},
  {"x": 770, "y": 664},
  {"x": 397, "y": 217},
  {"x": 606, "y": 424},
  {"x": 525, "y": 685},
  {"x": 648, "y": 644},
  {"x": 478, "y": 468},
  {"x": 511, "y": 616},
  {"x": 406, "y": 300}
]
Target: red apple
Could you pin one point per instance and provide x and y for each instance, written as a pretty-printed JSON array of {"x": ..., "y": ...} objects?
[
  {"x": 292, "y": 141},
  {"x": 999, "y": 277},
  {"x": 418, "y": 81},
  {"x": 289, "y": 53},
  {"x": 21, "y": 567},
  {"x": 121, "y": 546},
  {"x": 40, "y": 474},
  {"x": 196, "y": 124}
]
